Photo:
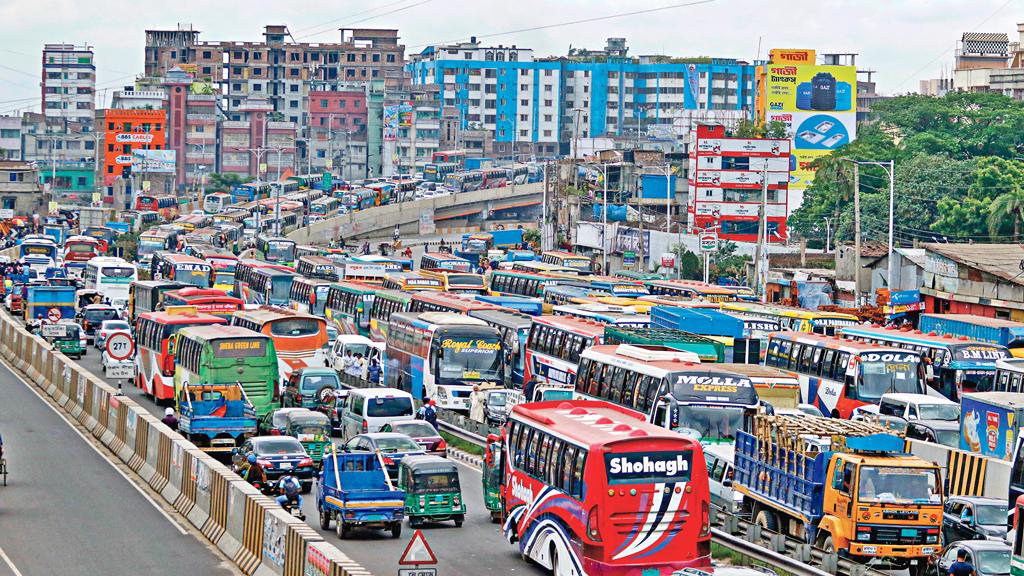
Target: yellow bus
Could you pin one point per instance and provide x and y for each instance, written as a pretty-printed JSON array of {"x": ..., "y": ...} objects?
[
  {"x": 534, "y": 267},
  {"x": 793, "y": 319},
  {"x": 459, "y": 282},
  {"x": 579, "y": 263},
  {"x": 639, "y": 306}
]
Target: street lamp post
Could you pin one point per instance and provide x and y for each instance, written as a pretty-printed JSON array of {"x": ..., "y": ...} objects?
[{"x": 890, "y": 169}]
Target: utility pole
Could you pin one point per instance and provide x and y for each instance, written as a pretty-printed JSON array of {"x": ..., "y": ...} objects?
[
  {"x": 760, "y": 251},
  {"x": 856, "y": 233},
  {"x": 544, "y": 207},
  {"x": 892, "y": 202},
  {"x": 640, "y": 243}
]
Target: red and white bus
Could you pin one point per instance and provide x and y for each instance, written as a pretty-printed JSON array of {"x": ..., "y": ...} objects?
[
  {"x": 206, "y": 300},
  {"x": 554, "y": 348},
  {"x": 166, "y": 206},
  {"x": 838, "y": 375},
  {"x": 82, "y": 248},
  {"x": 590, "y": 488},
  {"x": 154, "y": 366},
  {"x": 454, "y": 156}
]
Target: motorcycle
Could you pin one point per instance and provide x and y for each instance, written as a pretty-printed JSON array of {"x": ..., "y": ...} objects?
[{"x": 291, "y": 508}]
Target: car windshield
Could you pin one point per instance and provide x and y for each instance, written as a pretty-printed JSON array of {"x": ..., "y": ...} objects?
[
  {"x": 435, "y": 481},
  {"x": 116, "y": 325},
  {"x": 992, "y": 561},
  {"x": 389, "y": 407},
  {"x": 414, "y": 429},
  {"x": 390, "y": 444},
  {"x": 951, "y": 438},
  {"x": 363, "y": 349},
  {"x": 497, "y": 399},
  {"x": 892, "y": 485},
  {"x": 279, "y": 446},
  {"x": 95, "y": 316},
  {"x": 314, "y": 382},
  {"x": 882, "y": 372},
  {"x": 991, "y": 515},
  {"x": 938, "y": 412}
]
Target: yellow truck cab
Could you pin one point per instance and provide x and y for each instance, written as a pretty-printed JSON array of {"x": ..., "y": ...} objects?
[{"x": 843, "y": 486}]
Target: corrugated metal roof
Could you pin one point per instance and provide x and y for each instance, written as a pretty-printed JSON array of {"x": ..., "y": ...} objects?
[
  {"x": 985, "y": 37},
  {"x": 1004, "y": 261}
]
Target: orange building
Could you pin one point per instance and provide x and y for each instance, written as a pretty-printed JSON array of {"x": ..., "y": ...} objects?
[{"x": 125, "y": 131}]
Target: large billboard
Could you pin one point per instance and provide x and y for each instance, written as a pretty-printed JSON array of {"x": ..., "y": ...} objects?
[
  {"x": 818, "y": 106},
  {"x": 153, "y": 161},
  {"x": 396, "y": 116}
]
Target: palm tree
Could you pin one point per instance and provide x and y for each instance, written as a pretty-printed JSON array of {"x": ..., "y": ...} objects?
[{"x": 1009, "y": 205}]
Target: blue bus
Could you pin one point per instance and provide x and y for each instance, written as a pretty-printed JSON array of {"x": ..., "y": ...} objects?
[
  {"x": 441, "y": 356},
  {"x": 514, "y": 328},
  {"x": 529, "y": 306},
  {"x": 250, "y": 192}
]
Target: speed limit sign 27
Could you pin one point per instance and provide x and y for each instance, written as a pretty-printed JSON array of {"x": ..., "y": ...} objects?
[{"x": 120, "y": 346}]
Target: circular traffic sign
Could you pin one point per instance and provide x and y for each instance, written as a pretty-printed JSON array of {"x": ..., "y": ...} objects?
[
  {"x": 53, "y": 314},
  {"x": 120, "y": 346}
]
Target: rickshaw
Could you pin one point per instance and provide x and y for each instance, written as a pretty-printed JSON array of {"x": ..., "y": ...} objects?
[
  {"x": 492, "y": 477},
  {"x": 71, "y": 343},
  {"x": 311, "y": 429},
  {"x": 432, "y": 492}
]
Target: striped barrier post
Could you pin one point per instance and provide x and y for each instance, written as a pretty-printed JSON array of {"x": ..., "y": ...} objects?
[
  {"x": 38, "y": 346},
  {"x": 324, "y": 559},
  {"x": 172, "y": 490},
  {"x": 76, "y": 395},
  {"x": 118, "y": 444},
  {"x": 19, "y": 349},
  {"x": 127, "y": 423},
  {"x": 201, "y": 475},
  {"x": 147, "y": 439},
  {"x": 90, "y": 402},
  {"x": 55, "y": 379},
  {"x": 217, "y": 523},
  {"x": 107, "y": 413},
  {"x": 251, "y": 550},
  {"x": 160, "y": 458},
  {"x": 299, "y": 535},
  {"x": 966, "y": 474},
  {"x": 284, "y": 543},
  {"x": 239, "y": 494},
  {"x": 137, "y": 438}
]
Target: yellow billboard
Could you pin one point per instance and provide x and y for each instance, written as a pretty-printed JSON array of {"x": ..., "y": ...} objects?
[
  {"x": 795, "y": 88},
  {"x": 800, "y": 56}
]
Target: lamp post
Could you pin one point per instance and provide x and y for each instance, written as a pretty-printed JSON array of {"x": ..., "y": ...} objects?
[{"x": 890, "y": 169}]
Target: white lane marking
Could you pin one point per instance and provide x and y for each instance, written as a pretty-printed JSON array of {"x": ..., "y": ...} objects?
[
  {"x": 10, "y": 564},
  {"x": 103, "y": 456}
]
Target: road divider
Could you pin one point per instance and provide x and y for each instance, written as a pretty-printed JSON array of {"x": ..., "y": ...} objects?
[{"x": 248, "y": 527}]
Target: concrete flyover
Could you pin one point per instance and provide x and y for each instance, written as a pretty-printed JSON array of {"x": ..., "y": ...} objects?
[{"x": 458, "y": 209}]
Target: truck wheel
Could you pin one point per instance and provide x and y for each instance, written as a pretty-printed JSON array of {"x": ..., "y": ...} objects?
[
  {"x": 827, "y": 545},
  {"x": 325, "y": 520},
  {"x": 920, "y": 569},
  {"x": 307, "y": 488},
  {"x": 340, "y": 528},
  {"x": 766, "y": 520},
  {"x": 396, "y": 530},
  {"x": 459, "y": 520},
  {"x": 415, "y": 521}
]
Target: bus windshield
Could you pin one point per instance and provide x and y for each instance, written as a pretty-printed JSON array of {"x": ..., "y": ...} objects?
[
  {"x": 882, "y": 372},
  {"x": 280, "y": 288},
  {"x": 712, "y": 422},
  {"x": 466, "y": 358},
  {"x": 150, "y": 245},
  {"x": 295, "y": 327},
  {"x": 280, "y": 251},
  {"x": 466, "y": 280},
  {"x": 895, "y": 485}
]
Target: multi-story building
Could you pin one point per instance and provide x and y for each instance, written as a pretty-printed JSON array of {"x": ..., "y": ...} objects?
[
  {"x": 273, "y": 69},
  {"x": 10, "y": 137},
  {"x": 20, "y": 189},
  {"x": 540, "y": 105},
  {"x": 337, "y": 129},
  {"x": 978, "y": 57},
  {"x": 69, "y": 83},
  {"x": 123, "y": 132},
  {"x": 256, "y": 145},
  {"x": 412, "y": 128},
  {"x": 64, "y": 152},
  {"x": 727, "y": 181}
]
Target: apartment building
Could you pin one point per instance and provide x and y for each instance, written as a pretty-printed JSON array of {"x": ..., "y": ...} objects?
[
  {"x": 545, "y": 103},
  {"x": 121, "y": 133},
  {"x": 278, "y": 68},
  {"x": 20, "y": 189},
  {"x": 64, "y": 152},
  {"x": 69, "y": 83},
  {"x": 10, "y": 137}
]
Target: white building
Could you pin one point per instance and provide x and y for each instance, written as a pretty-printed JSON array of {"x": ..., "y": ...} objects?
[{"x": 69, "y": 83}]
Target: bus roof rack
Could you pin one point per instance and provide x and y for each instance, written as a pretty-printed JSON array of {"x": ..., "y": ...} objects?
[{"x": 656, "y": 353}]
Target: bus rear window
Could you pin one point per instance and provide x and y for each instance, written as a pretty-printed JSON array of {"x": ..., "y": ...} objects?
[
  {"x": 118, "y": 272},
  {"x": 295, "y": 327},
  {"x": 81, "y": 248},
  {"x": 240, "y": 348},
  {"x": 648, "y": 467}
]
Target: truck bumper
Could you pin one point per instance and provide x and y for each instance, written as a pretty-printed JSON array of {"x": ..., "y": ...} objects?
[{"x": 887, "y": 551}]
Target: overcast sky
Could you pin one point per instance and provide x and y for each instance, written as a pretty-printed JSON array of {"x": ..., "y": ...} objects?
[{"x": 904, "y": 40}]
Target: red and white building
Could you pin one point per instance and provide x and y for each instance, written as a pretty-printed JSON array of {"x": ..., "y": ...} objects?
[{"x": 727, "y": 177}]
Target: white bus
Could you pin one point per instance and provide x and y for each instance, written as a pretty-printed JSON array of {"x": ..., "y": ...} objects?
[{"x": 111, "y": 277}]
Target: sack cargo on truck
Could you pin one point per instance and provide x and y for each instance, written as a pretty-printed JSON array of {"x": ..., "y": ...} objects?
[
  {"x": 841, "y": 485},
  {"x": 990, "y": 422},
  {"x": 355, "y": 490},
  {"x": 215, "y": 417}
]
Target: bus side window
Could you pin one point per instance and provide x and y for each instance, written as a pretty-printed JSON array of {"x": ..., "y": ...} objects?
[
  {"x": 579, "y": 489},
  {"x": 597, "y": 374},
  {"x": 616, "y": 387},
  {"x": 557, "y": 449},
  {"x": 568, "y": 458},
  {"x": 772, "y": 357},
  {"x": 815, "y": 366},
  {"x": 532, "y": 444},
  {"x": 541, "y": 469},
  {"x": 583, "y": 374},
  {"x": 629, "y": 387},
  {"x": 827, "y": 363}
]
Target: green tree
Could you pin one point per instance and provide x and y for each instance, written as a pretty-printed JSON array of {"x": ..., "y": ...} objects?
[
  {"x": 223, "y": 182},
  {"x": 1008, "y": 207}
]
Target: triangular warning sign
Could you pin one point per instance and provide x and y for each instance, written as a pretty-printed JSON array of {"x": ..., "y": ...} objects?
[{"x": 417, "y": 551}]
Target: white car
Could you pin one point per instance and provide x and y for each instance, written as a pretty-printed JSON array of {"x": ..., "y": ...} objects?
[
  {"x": 356, "y": 345},
  {"x": 109, "y": 327},
  {"x": 108, "y": 365}
]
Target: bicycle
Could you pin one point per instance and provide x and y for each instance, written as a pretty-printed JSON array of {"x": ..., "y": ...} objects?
[{"x": 3, "y": 470}]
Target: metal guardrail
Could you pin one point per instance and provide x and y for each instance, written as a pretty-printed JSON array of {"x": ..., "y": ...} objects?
[{"x": 733, "y": 532}]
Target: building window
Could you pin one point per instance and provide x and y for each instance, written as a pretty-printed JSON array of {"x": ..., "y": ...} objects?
[
  {"x": 547, "y": 102},
  {"x": 257, "y": 71},
  {"x": 207, "y": 70},
  {"x": 547, "y": 117},
  {"x": 391, "y": 58},
  {"x": 236, "y": 87},
  {"x": 257, "y": 87},
  {"x": 293, "y": 88},
  {"x": 524, "y": 133},
  {"x": 375, "y": 58},
  {"x": 468, "y": 55},
  {"x": 257, "y": 55},
  {"x": 293, "y": 104},
  {"x": 524, "y": 102},
  {"x": 547, "y": 133},
  {"x": 547, "y": 87},
  {"x": 323, "y": 103}
]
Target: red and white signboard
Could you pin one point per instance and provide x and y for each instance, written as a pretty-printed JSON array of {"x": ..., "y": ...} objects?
[
  {"x": 120, "y": 346},
  {"x": 417, "y": 552},
  {"x": 53, "y": 314}
]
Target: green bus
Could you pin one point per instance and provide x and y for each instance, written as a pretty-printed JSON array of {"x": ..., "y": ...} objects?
[
  {"x": 227, "y": 354},
  {"x": 707, "y": 349},
  {"x": 386, "y": 303},
  {"x": 276, "y": 250},
  {"x": 348, "y": 306},
  {"x": 529, "y": 284}
]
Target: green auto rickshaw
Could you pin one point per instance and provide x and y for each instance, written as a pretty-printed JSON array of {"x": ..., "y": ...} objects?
[
  {"x": 70, "y": 343},
  {"x": 492, "y": 477},
  {"x": 432, "y": 493},
  {"x": 311, "y": 429}
]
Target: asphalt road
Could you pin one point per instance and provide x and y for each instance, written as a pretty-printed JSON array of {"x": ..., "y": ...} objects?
[
  {"x": 66, "y": 510},
  {"x": 476, "y": 548}
]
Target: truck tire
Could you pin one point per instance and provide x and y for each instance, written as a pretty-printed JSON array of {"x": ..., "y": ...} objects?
[
  {"x": 325, "y": 520},
  {"x": 767, "y": 520},
  {"x": 340, "y": 528},
  {"x": 827, "y": 544},
  {"x": 396, "y": 529},
  {"x": 459, "y": 520},
  {"x": 920, "y": 569}
]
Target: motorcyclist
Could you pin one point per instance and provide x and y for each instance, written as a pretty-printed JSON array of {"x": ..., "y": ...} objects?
[
  {"x": 169, "y": 419},
  {"x": 253, "y": 473},
  {"x": 291, "y": 491}
]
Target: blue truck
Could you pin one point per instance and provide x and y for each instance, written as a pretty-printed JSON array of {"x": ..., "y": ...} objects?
[
  {"x": 740, "y": 347},
  {"x": 355, "y": 491},
  {"x": 215, "y": 417},
  {"x": 992, "y": 330},
  {"x": 52, "y": 303}
]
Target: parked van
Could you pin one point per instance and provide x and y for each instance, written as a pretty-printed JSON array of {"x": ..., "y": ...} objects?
[
  {"x": 719, "y": 458},
  {"x": 918, "y": 407},
  {"x": 367, "y": 410}
]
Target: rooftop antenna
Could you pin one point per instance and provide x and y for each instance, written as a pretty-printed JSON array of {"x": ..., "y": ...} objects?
[{"x": 758, "y": 57}]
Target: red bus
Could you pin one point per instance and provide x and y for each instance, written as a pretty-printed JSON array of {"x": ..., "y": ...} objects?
[
  {"x": 206, "y": 300},
  {"x": 454, "y": 156},
  {"x": 154, "y": 366},
  {"x": 590, "y": 488},
  {"x": 83, "y": 248},
  {"x": 166, "y": 206},
  {"x": 447, "y": 302},
  {"x": 554, "y": 348}
]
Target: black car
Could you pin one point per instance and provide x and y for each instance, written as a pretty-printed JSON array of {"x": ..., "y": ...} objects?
[
  {"x": 945, "y": 432},
  {"x": 93, "y": 315},
  {"x": 973, "y": 518},
  {"x": 392, "y": 445},
  {"x": 989, "y": 557},
  {"x": 278, "y": 455}
]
